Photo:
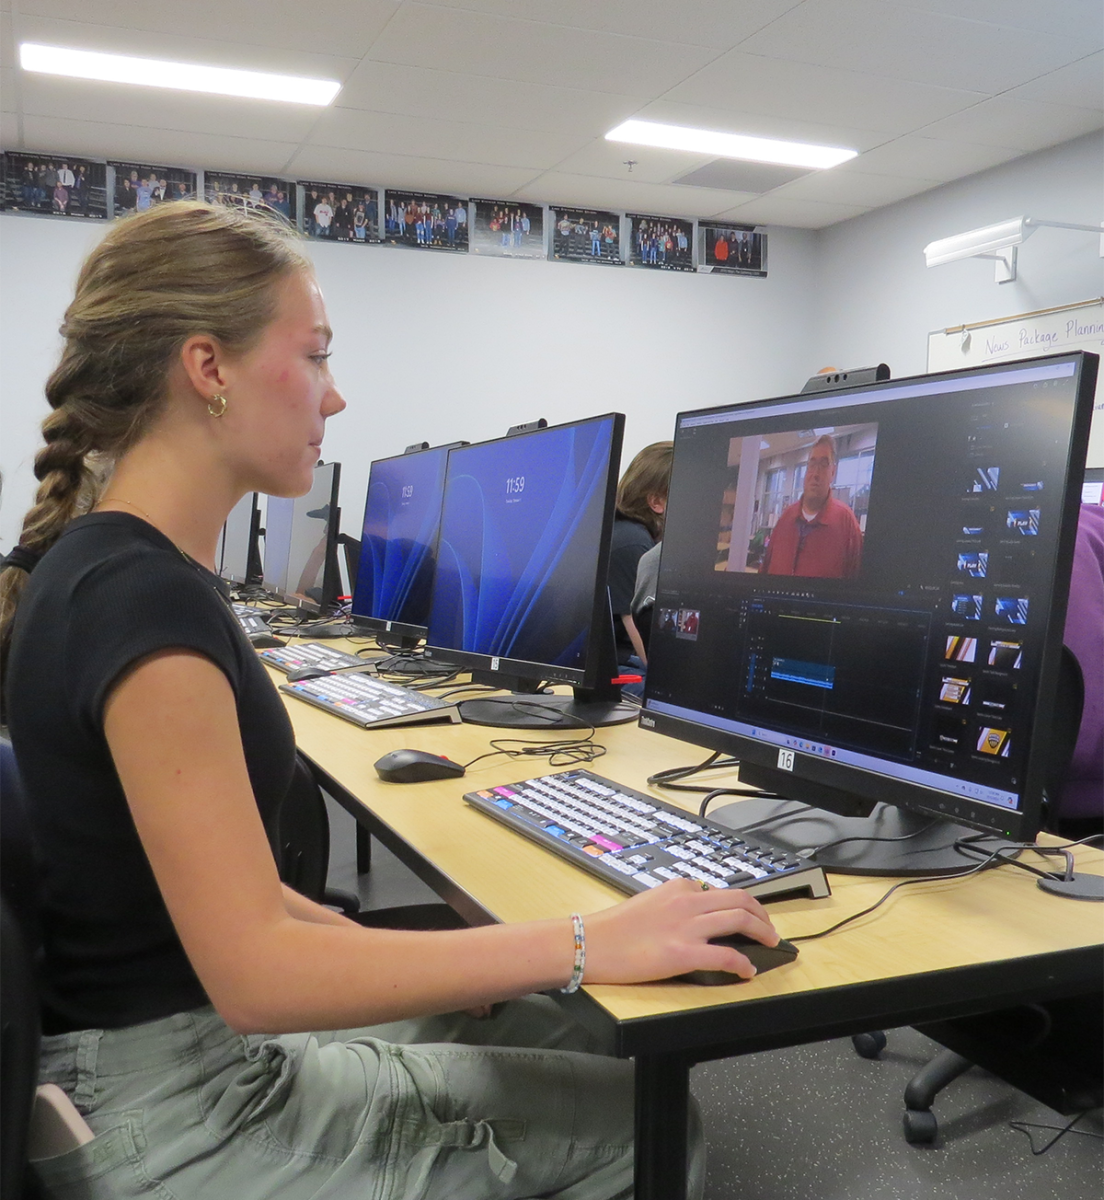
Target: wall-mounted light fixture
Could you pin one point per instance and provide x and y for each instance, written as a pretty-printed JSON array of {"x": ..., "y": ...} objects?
[{"x": 997, "y": 242}]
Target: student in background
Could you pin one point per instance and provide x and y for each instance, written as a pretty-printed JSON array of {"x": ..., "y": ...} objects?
[
  {"x": 637, "y": 527},
  {"x": 181, "y": 980}
]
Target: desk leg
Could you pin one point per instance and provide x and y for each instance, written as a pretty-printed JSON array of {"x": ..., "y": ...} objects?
[
  {"x": 363, "y": 849},
  {"x": 662, "y": 1102}
]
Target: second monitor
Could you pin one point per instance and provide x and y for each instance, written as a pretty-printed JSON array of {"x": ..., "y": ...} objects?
[{"x": 520, "y": 592}]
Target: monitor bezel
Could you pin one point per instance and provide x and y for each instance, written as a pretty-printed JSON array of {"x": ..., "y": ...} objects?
[
  {"x": 401, "y": 629},
  {"x": 514, "y": 669},
  {"x": 1018, "y": 824}
]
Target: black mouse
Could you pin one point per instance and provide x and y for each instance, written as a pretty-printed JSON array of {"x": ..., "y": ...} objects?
[
  {"x": 416, "y": 766},
  {"x": 302, "y": 673},
  {"x": 762, "y": 958}
]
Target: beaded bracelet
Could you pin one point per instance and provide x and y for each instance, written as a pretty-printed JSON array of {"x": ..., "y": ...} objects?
[{"x": 580, "y": 955}]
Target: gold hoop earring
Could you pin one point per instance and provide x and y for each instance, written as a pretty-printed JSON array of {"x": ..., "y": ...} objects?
[{"x": 216, "y": 406}]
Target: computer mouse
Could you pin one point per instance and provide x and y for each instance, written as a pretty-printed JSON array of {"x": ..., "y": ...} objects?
[
  {"x": 762, "y": 958},
  {"x": 301, "y": 673},
  {"x": 416, "y": 766}
]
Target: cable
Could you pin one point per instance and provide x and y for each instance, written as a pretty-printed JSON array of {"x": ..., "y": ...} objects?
[
  {"x": 1027, "y": 1126},
  {"x": 559, "y": 753},
  {"x": 995, "y": 858}
]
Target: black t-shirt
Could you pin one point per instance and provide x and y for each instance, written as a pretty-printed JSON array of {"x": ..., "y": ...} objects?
[
  {"x": 629, "y": 541},
  {"x": 112, "y": 591}
]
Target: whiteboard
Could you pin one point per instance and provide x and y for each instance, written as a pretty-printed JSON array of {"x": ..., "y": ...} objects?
[{"x": 1051, "y": 331}]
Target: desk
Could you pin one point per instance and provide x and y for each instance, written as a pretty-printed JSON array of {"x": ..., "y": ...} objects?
[{"x": 934, "y": 951}]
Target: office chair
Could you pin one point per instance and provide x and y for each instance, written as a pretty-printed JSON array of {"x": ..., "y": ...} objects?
[
  {"x": 303, "y": 853},
  {"x": 35, "y": 1122}
]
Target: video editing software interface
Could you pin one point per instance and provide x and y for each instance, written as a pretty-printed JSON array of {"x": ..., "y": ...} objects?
[
  {"x": 402, "y": 515},
  {"x": 524, "y": 548},
  {"x": 866, "y": 577}
]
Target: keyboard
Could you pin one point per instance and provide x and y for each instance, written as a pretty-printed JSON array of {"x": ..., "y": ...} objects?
[
  {"x": 310, "y": 654},
  {"x": 250, "y": 619},
  {"x": 371, "y": 703},
  {"x": 636, "y": 842}
]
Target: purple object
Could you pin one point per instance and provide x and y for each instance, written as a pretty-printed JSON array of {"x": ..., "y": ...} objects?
[{"x": 1083, "y": 794}]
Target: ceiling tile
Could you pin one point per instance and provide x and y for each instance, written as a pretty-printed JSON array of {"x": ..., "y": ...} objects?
[
  {"x": 852, "y": 187},
  {"x": 799, "y": 214},
  {"x": 930, "y": 158},
  {"x": 651, "y": 165},
  {"x": 421, "y": 92},
  {"x": 1081, "y": 84},
  {"x": 832, "y": 95},
  {"x": 9, "y": 89},
  {"x": 345, "y": 28},
  {"x": 396, "y": 170},
  {"x": 586, "y": 191},
  {"x": 714, "y": 23},
  {"x": 735, "y": 120},
  {"x": 8, "y": 56},
  {"x": 158, "y": 108},
  {"x": 132, "y": 143},
  {"x": 732, "y": 175},
  {"x": 1018, "y": 124},
  {"x": 1056, "y": 16},
  {"x": 386, "y": 133},
  {"x": 902, "y": 42},
  {"x": 211, "y": 51},
  {"x": 533, "y": 52}
]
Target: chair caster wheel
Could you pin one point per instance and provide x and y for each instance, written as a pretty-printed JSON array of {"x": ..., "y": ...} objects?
[
  {"x": 869, "y": 1045},
  {"x": 921, "y": 1127}
]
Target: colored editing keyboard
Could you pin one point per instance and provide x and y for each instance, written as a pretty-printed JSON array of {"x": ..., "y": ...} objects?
[
  {"x": 370, "y": 702},
  {"x": 310, "y": 654},
  {"x": 635, "y": 842}
]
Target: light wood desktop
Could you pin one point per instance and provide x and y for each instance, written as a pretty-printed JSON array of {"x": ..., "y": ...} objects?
[{"x": 933, "y": 951}]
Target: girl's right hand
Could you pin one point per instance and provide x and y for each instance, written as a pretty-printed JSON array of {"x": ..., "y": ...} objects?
[{"x": 665, "y": 932}]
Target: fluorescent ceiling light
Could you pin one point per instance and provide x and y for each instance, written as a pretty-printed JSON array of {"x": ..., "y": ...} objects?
[
  {"x": 729, "y": 145},
  {"x": 151, "y": 72}
]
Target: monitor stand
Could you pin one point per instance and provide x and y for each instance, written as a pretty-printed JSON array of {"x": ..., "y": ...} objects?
[
  {"x": 929, "y": 848},
  {"x": 528, "y": 708}
]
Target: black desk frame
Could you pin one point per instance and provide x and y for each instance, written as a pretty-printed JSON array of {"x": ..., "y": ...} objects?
[{"x": 665, "y": 1047}]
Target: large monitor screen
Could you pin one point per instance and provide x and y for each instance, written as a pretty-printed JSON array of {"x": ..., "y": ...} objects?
[
  {"x": 866, "y": 589},
  {"x": 402, "y": 514},
  {"x": 523, "y": 551}
]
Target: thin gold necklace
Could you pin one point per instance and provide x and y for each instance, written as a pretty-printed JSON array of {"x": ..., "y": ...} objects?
[
  {"x": 130, "y": 504},
  {"x": 187, "y": 557}
]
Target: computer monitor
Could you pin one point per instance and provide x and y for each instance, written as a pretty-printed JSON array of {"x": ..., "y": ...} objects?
[
  {"x": 862, "y": 596},
  {"x": 402, "y": 514},
  {"x": 239, "y": 560},
  {"x": 300, "y": 558},
  {"x": 520, "y": 593}
]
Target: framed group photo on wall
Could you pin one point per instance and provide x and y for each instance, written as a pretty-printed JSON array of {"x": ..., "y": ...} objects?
[{"x": 58, "y": 185}]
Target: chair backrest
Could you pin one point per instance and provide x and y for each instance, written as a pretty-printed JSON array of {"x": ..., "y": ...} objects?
[
  {"x": 303, "y": 835},
  {"x": 20, "y": 1028}
]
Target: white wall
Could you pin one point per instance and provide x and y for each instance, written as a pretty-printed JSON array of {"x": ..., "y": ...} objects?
[
  {"x": 430, "y": 346},
  {"x": 434, "y": 347},
  {"x": 877, "y": 301}
]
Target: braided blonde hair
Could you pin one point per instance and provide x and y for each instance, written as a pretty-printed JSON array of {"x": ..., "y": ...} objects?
[{"x": 156, "y": 279}]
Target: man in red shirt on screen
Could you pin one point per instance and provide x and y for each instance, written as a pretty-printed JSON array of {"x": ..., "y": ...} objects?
[{"x": 818, "y": 535}]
